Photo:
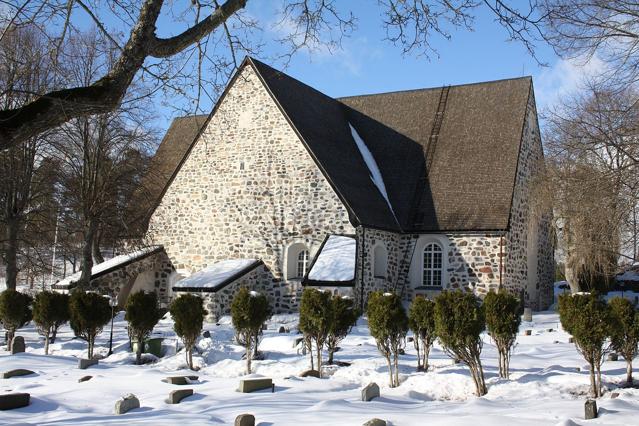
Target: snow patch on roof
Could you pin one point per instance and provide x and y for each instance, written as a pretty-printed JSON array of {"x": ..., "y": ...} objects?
[
  {"x": 107, "y": 264},
  {"x": 375, "y": 174},
  {"x": 215, "y": 274},
  {"x": 336, "y": 261}
]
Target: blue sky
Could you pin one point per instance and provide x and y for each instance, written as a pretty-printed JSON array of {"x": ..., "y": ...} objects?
[{"x": 367, "y": 63}]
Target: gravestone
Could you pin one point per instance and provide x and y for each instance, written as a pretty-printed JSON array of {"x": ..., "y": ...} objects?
[
  {"x": 84, "y": 379},
  {"x": 614, "y": 395},
  {"x": 310, "y": 373},
  {"x": 375, "y": 422},
  {"x": 370, "y": 392},
  {"x": 591, "y": 409},
  {"x": 282, "y": 330},
  {"x": 528, "y": 332},
  {"x": 10, "y": 401},
  {"x": 206, "y": 334},
  {"x": 17, "y": 345},
  {"x": 176, "y": 396},
  {"x": 84, "y": 363},
  {"x": 528, "y": 314},
  {"x": 245, "y": 420},
  {"x": 571, "y": 340},
  {"x": 126, "y": 403},
  {"x": 180, "y": 380},
  {"x": 410, "y": 339},
  {"x": 251, "y": 385},
  {"x": 16, "y": 373},
  {"x": 297, "y": 341},
  {"x": 613, "y": 357}
]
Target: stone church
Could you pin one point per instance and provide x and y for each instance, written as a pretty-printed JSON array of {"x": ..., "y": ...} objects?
[{"x": 416, "y": 191}]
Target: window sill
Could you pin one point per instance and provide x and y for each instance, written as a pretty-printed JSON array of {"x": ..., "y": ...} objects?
[
  {"x": 429, "y": 287},
  {"x": 377, "y": 277}
]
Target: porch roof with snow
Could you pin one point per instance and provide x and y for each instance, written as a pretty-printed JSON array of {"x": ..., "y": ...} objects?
[
  {"x": 335, "y": 263},
  {"x": 107, "y": 266},
  {"x": 371, "y": 148},
  {"x": 217, "y": 276}
]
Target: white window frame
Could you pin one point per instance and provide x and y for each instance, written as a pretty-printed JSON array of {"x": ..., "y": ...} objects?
[
  {"x": 303, "y": 261},
  {"x": 429, "y": 268},
  {"x": 376, "y": 248}
]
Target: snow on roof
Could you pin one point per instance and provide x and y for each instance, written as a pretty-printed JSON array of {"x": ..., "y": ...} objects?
[
  {"x": 336, "y": 261},
  {"x": 106, "y": 265},
  {"x": 376, "y": 175},
  {"x": 216, "y": 274}
]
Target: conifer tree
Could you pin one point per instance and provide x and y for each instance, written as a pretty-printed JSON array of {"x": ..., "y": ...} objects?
[
  {"x": 50, "y": 311},
  {"x": 315, "y": 315},
  {"x": 421, "y": 319},
  {"x": 15, "y": 312},
  {"x": 503, "y": 320},
  {"x": 188, "y": 316},
  {"x": 249, "y": 310},
  {"x": 142, "y": 314},
  {"x": 388, "y": 324},
  {"x": 343, "y": 317},
  {"x": 624, "y": 332},
  {"x": 90, "y": 312}
]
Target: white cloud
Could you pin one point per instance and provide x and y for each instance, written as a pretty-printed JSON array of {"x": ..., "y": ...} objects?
[{"x": 564, "y": 77}]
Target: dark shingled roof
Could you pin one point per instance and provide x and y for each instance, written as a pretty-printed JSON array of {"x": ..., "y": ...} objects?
[{"x": 471, "y": 180}]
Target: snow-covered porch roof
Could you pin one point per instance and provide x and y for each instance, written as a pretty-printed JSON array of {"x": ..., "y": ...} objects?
[
  {"x": 217, "y": 276},
  {"x": 107, "y": 266},
  {"x": 334, "y": 265}
]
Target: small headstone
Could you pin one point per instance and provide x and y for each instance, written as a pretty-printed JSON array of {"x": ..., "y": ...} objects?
[
  {"x": 578, "y": 369},
  {"x": 556, "y": 341},
  {"x": 591, "y": 409},
  {"x": 613, "y": 357},
  {"x": 401, "y": 351},
  {"x": 180, "y": 380},
  {"x": 16, "y": 373},
  {"x": 176, "y": 396},
  {"x": 206, "y": 334},
  {"x": 528, "y": 332},
  {"x": 375, "y": 422},
  {"x": 571, "y": 340},
  {"x": 410, "y": 339},
  {"x": 528, "y": 314},
  {"x": 549, "y": 330},
  {"x": 310, "y": 373},
  {"x": 10, "y": 401},
  {"x": 84, "y": 363},
  {"x": 251, "y": 385},
  {"x": 17, "y": 345},
  {"x": 282, "y": 329},
  {"x": 614, "y": 395},
  {"x": 245, "y": 420},
  {"x": 297, "y": 341},
  {"x": 370, "y": 392},
  {"x": 126, "y": 403},
  {"x": 84, "y": 379}
]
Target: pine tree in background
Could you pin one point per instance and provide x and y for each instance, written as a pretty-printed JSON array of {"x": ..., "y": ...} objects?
[
  {"x": 588, "y": 318},
  {"x": 15, "y": 312},
  {"x": 459, "y": 322},
  {"x": 624, "y": 332},
  {"x": 315, "y": 316},
  {"x": 89, "y": 313},
  {"x": 421, "y": 319},
  {"x": 188, "y": 316},
  {"x": 142, "y": 314},
  {"x": 249, "y": 310},
  {"x": 343, "y": 317},
  {"x": 503, "y": 320},
  {"x": 50, "y": 311},
  {"x": 388, "y": 324}
]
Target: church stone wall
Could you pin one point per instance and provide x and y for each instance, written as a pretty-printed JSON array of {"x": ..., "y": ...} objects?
[{"x": 247, "y": 190}]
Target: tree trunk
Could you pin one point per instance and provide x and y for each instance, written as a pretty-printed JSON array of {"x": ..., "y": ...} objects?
[
  {"x": 390, "y": 370},
  {"x": 308, "y": 343},
  {"x": 629, "y": 372},
  {"x": 138, "y": 351},
  {"x": 331, "y": 351},
  {"x": 87, "y": 255},
  {"x": 11, "y": 250},
  {"x": 420, "y": 366},
  {"x": 10, "y": 334},
  {"x": 95, "y": 249},
  {"x": 249, "y": 354},
  {"x": 190, "y": 355},
  {"x": 46, "y": 342},
  {"x": 598, "y": 380},
  {"x": 593, "y": 381},
  {"x": 319, "y": 358},
  {"x": 90, "y": 349},
  {"x": 425, "y": 353},
  {"x": 396, "y": 362}
]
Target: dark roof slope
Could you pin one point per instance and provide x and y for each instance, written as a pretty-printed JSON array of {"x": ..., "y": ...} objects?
[{"x": 471, "y": 181}]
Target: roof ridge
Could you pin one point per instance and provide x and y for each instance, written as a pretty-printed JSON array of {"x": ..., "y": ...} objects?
[{"x": 423, "y": 89}]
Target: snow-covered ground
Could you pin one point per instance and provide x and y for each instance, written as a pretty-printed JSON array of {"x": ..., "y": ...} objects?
[{"x": 548, "y": 386}]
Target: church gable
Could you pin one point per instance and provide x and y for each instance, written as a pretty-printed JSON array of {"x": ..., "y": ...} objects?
[{"x": 247, "y": 186}]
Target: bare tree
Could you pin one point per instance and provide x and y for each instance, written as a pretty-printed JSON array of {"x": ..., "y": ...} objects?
[
  {"x": 97, "y": 153},
  {"x": 593, "y": 164},
  {"x": 211, "y": 35},
  {"x": 25, "y": 68}
]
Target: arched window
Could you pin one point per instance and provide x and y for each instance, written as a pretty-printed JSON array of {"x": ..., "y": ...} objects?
[
  {"x": 380, "y": 261},
  {"x": 302, "y": 263},
  {"x": 433, "y": 267}
]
